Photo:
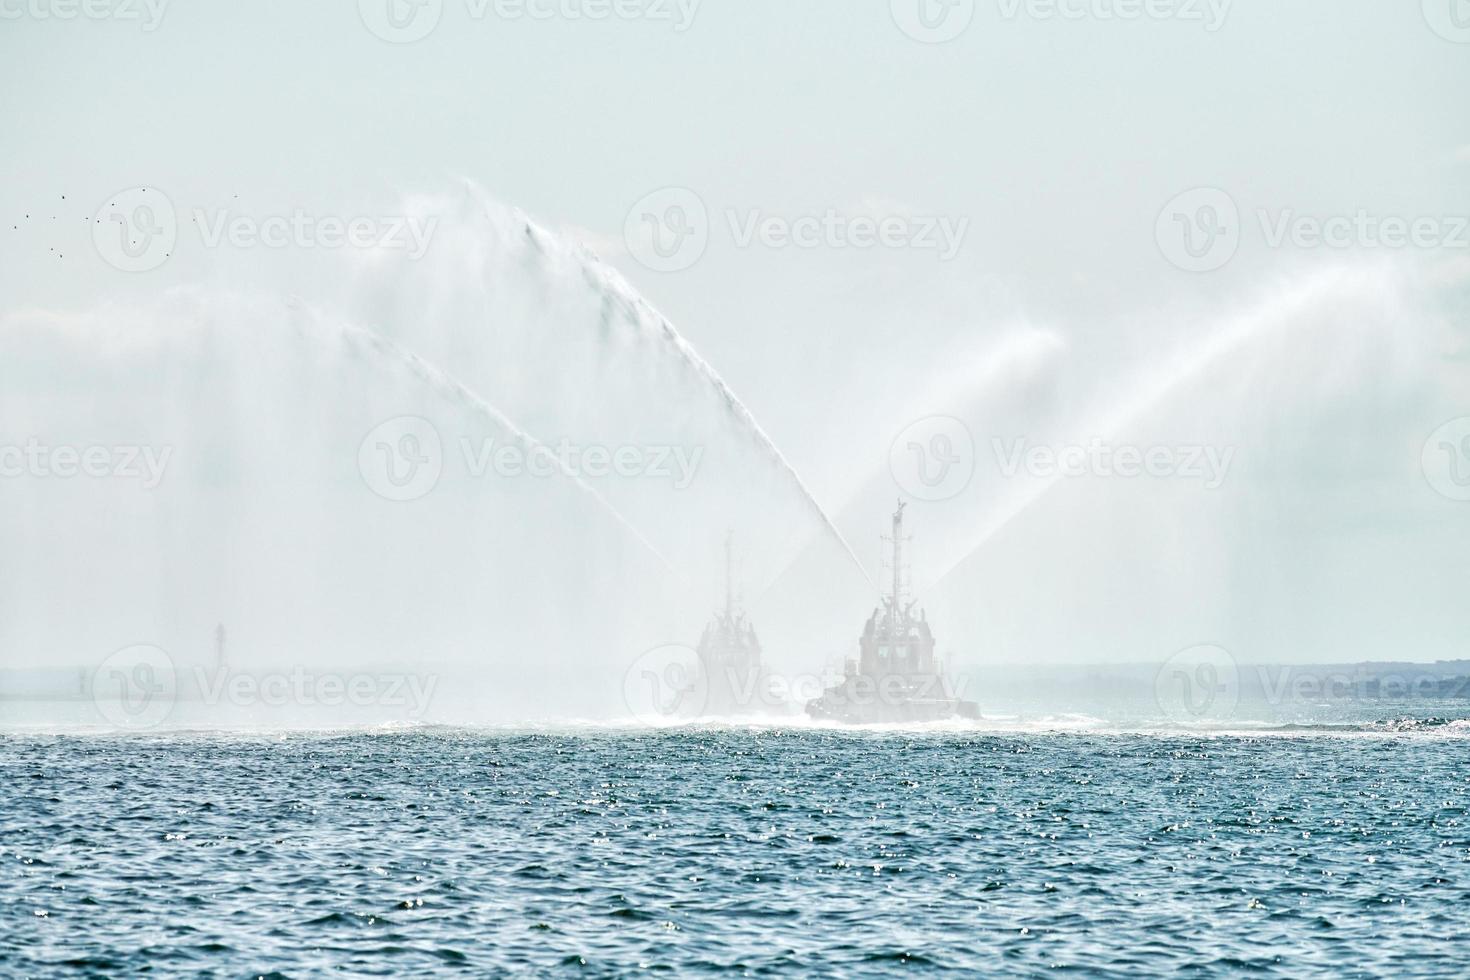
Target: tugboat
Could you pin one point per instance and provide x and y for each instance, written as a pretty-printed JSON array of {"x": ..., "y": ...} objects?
[
  {"x": 896, "y": 677},
  {"x": 730, "y": 679}
]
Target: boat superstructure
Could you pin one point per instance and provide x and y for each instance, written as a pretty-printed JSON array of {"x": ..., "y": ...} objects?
[
  {"x": 731, "y": 679},
  {"x": 896, "y": 676}
]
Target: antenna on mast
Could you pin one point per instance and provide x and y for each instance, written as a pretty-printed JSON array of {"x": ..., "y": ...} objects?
[
  {"x": 898, "y": 553},
  {"x": 729, "y": 573},
  {"x": 895, "y": 601}
]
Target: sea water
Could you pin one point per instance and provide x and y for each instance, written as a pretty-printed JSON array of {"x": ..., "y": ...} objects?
[{"x": 1301, "y": 851}]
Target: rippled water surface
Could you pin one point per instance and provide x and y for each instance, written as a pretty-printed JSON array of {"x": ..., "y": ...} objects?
[{"x": 759, "y": 852}]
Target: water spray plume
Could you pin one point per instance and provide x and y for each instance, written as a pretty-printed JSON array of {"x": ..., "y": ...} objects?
[
  {"x": 449, "y": 387},
  {"x": 642, "y": 315},
  {"x": 1234, "y": 335}
]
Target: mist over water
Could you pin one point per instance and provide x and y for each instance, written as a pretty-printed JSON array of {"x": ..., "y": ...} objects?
[
  {"x": 321, "y": 476},
  {"x": 281, "y": 506}
]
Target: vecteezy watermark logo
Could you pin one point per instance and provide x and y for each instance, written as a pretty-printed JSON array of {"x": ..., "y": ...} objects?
[
  {"x": 1363, "y": 230},
  {"x": 1197, "y": 685},
  {"x": 664, "y": 685},
  {"x": 1199, "y": 231},
  {"x": 668, "y": 230},
  {"x": 1208, "y": 464},
  {"x": 406, "y": 21},
  {"x": 148, "y": 12},
  {"x": 302, "y": 229},
  {"x": 835, "y": 230},
  {"x": 679, "y": 13},
  {"x": 1285, "y": 685},
  {"x": 1210, "y": 13},
  {"x": 932, "y": 21},
  {"x": 37, "y": 460},
  {"x": 135, "y": 230},
  {"x": 1450, "y": 19},
  {"x": 400, "y": 21},
  {"x": 672, "y": 684},
  {"x": 1446, "y": 459},
  {"x": 135, "y": 687},
  {"x": 933, "y": 459},
  {"x": 402, "y": 459},
  {"x": 311, "y": 689},
  {"x": 677, "y": 464}
]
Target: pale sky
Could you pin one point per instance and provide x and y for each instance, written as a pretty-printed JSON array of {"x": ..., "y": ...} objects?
[{"x": 1052, "y": 146}]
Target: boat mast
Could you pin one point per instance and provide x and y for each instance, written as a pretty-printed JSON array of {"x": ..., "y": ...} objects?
[
  {"x": 897, "y": 560},
  {"x": 729, "y": 575}
]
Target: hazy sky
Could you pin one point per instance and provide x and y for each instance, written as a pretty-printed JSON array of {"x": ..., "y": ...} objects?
[{"x": 1047, "y": 140}]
